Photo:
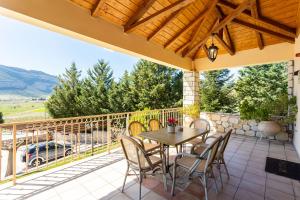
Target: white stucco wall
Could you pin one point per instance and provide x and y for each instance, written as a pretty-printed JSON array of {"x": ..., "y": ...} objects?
[{"x": 297, "y": 93}]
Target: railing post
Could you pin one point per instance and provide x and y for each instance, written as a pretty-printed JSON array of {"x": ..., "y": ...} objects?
[
  {"x": 108, "y": 135},
  {"x": 92, "y": 139},
  {"x": 163, "y": 118},
  {"x": 127, "y": 124},
  {"x": 14, "y": 154}
]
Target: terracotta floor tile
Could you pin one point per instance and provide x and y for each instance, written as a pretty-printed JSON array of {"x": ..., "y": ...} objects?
[
  {"x": 236, "y": 165},
  {"x": 235, "y": 172},
  {"x": 150, "y": 182},
  {"x": 219, "y": 196},
  {"x": 186, "y": 196},
  {"x": 296, "y": 185},
  {"x": 258, "y": 172},
  {"x": 274, "y": 194},
  {"x": 254, "y": 179},
  {"x": 229, "y": 189},
  {"x": 252, "y": 187},
  {"x": 235, "y": 181},
  {"x": 279, "y": 178},
  {"x": 195, "y": 189},
  {"x": 243, "y": 194},
  {"x": 280, "y": 186}
]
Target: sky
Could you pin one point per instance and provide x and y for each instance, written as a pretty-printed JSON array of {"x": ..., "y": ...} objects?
[{"x": 30, "y": 47}]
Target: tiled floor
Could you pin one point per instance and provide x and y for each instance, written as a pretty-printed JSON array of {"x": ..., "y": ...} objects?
[{"x": 101, "y": 177}]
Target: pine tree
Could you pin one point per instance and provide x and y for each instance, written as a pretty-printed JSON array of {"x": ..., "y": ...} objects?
[
  {"x": 95, "y": 89},
  {"x": 122, "y": 96},
  {"x": 258, "y": 87},
  {"x": 216, "y": 91},
  {"x": 64, "y": 101},
  {"x": 154, "y": 85}
]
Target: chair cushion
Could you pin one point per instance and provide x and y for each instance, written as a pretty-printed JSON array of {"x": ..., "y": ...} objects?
[
  {"x": 187, "y": 163},
  {"x": 200, "y": 148},
  {"x": 151, "y": 147},
  {"x": 195, "y": 141}
]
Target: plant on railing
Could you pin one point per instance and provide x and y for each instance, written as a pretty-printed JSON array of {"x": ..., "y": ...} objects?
[{"x": 192, "y": 110}]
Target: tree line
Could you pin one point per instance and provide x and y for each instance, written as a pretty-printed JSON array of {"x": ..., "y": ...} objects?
[
  {"x": 149, "y": 85},
  {"x": 153, "y": 86},
  {"x": 251, "y": 90}
]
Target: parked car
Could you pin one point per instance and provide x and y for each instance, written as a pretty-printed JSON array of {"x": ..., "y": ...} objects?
[{"x": 42, "y": 152}]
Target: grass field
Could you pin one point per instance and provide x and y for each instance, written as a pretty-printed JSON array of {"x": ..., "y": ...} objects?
[{"x": 23, "y": 110}]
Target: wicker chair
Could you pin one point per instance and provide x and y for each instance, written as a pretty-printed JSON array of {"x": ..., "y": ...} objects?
[
  {"x": 134, "y": 129},
  {"x": 219, "y": 160},
  {"x": 199, "y": 165},
  {"x": 200, "y": 123},
  {"x": 138, "y": 160},
  {"x": 154, "y": 125}
]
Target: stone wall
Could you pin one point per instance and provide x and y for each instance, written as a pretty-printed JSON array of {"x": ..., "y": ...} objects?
[{"x": 222, "y": 122}]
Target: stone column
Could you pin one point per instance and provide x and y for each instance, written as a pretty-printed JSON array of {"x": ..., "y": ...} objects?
[
  {"x": 296, "y": 86},
  {"x": 290, "y": 78},
  {"x": 190, "y": 91}
]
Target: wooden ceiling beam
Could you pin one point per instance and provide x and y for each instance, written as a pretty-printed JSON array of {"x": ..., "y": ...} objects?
[
  {"x": 186, "y": 29},
  {"x": 139, "y": 13},
  {"x": 228, "y": 37},
  {"x": 264, "y": 30},
  {"x": 182, "y": 47},
  {"x": 97, "y": 7},
  {"x": 164, "y": 24},
  {"x": 224, "y": 44},
  {"x": 196, "y": 52},
  {"x": 205, "y": 49},
  {"x": 222, "y": 24},
  {"x": 255, "y": 14},
  {"x": 195, "y": 35},
  {"x": 161, "y": 13},
  {"x": 283, "y": 29}
]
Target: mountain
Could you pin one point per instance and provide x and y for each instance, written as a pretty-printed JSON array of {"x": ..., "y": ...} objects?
[{"x": 27, "y": 83}]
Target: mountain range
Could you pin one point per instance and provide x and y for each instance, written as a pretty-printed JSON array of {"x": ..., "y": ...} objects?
[{"x": 25, "y": 83}]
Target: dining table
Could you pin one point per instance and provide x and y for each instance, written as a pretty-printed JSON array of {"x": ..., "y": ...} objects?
[{"x": 167, "y": 139}]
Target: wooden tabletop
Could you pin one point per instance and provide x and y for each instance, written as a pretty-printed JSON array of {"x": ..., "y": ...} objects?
[{"x": 173, "y": 139}]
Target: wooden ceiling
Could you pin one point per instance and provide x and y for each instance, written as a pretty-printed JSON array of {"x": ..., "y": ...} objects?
[{"x": 186, "y": 26}]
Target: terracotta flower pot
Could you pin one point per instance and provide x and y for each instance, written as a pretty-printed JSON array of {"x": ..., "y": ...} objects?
[{"x": 269, "y": 128}]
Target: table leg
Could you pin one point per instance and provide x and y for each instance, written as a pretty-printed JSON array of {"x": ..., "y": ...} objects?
[{"x": 164, "y": 167}]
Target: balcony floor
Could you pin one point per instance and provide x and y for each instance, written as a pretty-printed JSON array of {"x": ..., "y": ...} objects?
[{"x": 101, "y": 176}]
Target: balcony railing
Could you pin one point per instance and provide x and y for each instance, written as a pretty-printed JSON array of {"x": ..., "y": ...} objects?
[{"x": 40, "y": 145}]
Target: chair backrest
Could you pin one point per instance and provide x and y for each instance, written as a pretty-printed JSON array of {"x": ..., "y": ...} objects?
[
  {"x": 224, "y": 143},
  {"x": 210, "y": 152},
  {"x": 135, "y": 128},
  {"x": 201, "y": 123},
  {"x": 134, "y": 153},
  {"x": 154, "y": 125}
]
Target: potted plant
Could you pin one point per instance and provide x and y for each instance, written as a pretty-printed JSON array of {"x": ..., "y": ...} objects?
[{"x": 171, "y": 124}]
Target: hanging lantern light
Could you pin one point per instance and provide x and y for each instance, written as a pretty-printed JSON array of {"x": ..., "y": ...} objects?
[{"x": 212, "y": 50}]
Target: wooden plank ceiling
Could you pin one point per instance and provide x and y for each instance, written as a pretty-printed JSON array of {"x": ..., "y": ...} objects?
[{"x": 186, "y": 26}]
